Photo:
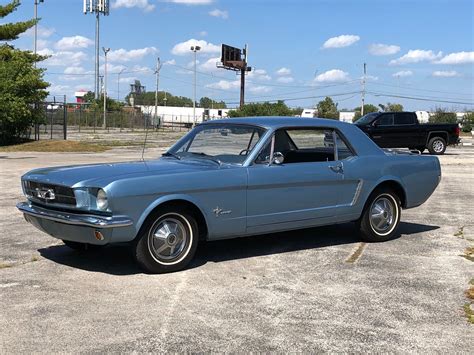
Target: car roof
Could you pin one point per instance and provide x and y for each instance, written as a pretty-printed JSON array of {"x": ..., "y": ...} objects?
[{"x": 275, "y": 122}]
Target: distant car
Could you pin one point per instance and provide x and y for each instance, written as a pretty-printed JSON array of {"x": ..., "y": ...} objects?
[
  {"x": 231, "y": 178},
  {"x": 402, "y": 130}
]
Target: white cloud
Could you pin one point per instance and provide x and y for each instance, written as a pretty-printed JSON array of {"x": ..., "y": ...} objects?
[
  {"x": 191, "y": 2},
  {"x": 341, "y": 41},
  {"x": 219, "y": 13},
  {"x": 42, "y": 44},
  {"x": 210, "y": 65},
  {"x": 283, "y": 71},
  {"x": 332, "y": 75},
  {"x": 74, "y": 42},
  {"x": 457, "y": 58},
  {"x": 141, "y": 4},
  {"x": 185, "y": 47},
  {"x": 123, "y": 55},
  {"x": 63, "y": 58},
  {"x": 59, "y": 89},
  {"x": 383, "y": 49},
  {"x": 112, "y": 68},
  {"x": 74, "y": 70},
  {"x": 402, "y": 73},
  {"x": 259, "y": 74},
  {"x": 203, "y": 33},
  {"x": 416, "y": 56},
  {"x": 128, "y": 80},
  {"x": 445, "y": 73},
  {"x": 370, "y": 77},
  {"x": 259, "y": 89},
  {"x": 285, "y": 79},
  {"x": 225, "y": 85},
  {"x": 170, "y": 62},
  {"x": 44, "y": 32}
]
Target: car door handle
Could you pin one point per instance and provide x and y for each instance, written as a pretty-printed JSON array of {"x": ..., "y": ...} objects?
[{"x": 338, "y": 168}]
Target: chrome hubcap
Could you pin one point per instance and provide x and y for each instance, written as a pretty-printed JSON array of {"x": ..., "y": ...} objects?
[
  {"x": 168, "y": 238},
  {"x": 438, "y": 146},
  {"x": 382, "y": 215}
]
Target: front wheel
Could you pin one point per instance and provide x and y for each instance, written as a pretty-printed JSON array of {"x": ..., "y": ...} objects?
[
  {"x": 381, "y": 217},
  {"x": 167, "y": 241},
  {"x": 437, "y": 146}
]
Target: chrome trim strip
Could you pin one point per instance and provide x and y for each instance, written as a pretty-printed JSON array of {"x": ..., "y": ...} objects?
[
  {"x": 357, "y": 192},
  {"x": 74, "y": 219}
]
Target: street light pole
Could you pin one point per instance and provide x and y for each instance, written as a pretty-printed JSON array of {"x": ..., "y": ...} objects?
[
  {"x": 36, "y": 26},
  {"x": 195, "y": 49},
  {"x": 104, "y": 124}
]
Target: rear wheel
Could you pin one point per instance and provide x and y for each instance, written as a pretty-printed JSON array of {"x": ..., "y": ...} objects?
[
  {"x": 167, "y": 241},
  {"x": 381, "y": 216},
  {"x": 437, "y": 146}
]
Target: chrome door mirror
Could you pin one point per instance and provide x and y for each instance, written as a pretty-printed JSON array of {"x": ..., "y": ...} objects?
[{"x": 278, "y": 158}]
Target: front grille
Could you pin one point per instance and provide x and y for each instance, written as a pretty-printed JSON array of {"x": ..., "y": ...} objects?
[{"x": 62, "y": 195}]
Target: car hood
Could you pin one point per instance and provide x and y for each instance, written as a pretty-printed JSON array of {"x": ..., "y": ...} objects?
[{"x": 102, "y": 174}]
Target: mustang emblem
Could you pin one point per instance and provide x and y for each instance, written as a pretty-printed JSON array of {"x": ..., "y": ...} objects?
[
  {"x": 46, "y": 194},
  {"x": 219, "y": 211}
]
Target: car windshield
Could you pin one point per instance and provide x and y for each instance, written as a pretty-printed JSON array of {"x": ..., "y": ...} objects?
[
  {"x": 221, "y": 143},
  {"x": 366, "y": 119}
]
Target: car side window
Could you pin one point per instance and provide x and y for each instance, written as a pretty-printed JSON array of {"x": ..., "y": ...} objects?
[
  {"x": 304, "y": 145},
  {"x": 404, "y": 118},
  {"x": 343, "y": 151},
  {"x": 385, "y": 120}
]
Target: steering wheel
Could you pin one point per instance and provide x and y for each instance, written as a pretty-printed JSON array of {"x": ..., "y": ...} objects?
[{"x": 244, "y": 151}]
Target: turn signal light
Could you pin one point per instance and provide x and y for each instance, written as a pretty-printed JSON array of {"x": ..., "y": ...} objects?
[{"x": 98, "y": 235}]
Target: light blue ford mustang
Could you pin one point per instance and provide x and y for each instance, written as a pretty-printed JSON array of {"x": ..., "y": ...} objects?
[{"x": 231, "y": 178}]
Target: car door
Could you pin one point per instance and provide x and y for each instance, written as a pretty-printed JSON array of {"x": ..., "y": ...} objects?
[
  {"x": 381, "y": 131},
  {"x": 304, "y": 189},
  {"x": 407, "y": 136}
]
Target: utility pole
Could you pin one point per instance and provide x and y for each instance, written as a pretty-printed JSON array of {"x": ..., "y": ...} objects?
[
  {"x": 195, "y": 49},
  {"x": 363, "y": 90},
  {"x": 118, "y": 84},
  {"x": 97, "y": 7},
  {"x": 243, "y": 70},
  {"x": 165, "y": 99},
  {"x": 104, "y": 124},
  {"x": 157, "y": 72}
]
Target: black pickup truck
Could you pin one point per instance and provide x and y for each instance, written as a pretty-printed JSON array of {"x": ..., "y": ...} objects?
[{"x": 402, "y": 130}]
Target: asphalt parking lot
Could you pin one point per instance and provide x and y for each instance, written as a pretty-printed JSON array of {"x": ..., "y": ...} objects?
[{"x": 312, "y": 290}]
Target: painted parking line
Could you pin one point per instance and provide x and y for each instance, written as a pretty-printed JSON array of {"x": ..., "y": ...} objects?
[{"x": 357, "y": 253}]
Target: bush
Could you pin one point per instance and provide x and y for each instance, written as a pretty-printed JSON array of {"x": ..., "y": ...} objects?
[
  {"x": 468, "y": 122},
  {"x": 443, "y": 116}
]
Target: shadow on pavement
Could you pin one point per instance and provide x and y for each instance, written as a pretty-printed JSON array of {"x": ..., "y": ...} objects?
[{"x": 117, "y": 259}]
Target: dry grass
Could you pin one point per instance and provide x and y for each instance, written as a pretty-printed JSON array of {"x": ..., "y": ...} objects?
[{"x": 55, "y": 146}]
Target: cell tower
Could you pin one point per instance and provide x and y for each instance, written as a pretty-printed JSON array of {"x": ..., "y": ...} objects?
[{"x": 96, "y": 7}]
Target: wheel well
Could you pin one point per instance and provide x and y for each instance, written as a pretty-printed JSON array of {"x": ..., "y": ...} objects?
[
  {"x": 397, "y": 188},
  {"x": 443, "y": 135},
  {"x": 193, "y": 209}
]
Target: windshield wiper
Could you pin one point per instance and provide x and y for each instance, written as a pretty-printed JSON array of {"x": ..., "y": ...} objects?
[
  {"x": 207, "y": 156},
  {"x": 168, "y": 154}
]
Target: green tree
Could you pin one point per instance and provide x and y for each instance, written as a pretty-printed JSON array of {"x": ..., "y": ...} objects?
[
  {"x": 327, "y": 109},
  {"x": 148, "y": 99},
  {"x": 468, "y": 122},
  {"x": 11, "y": 31},
  {"x": 21, "y": 84},
  {"x": 206, "y": 102},
  {"x": 368, "y": 108},
  {"x": 98, "y": 105},
  {"x": 442, "y": 115},
  {"x": 391, "y": 107},
  {"x": 262, "y": 109}
]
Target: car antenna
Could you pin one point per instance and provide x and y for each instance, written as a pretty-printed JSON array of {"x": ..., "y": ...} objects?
[{"x": 146, "y": 136}]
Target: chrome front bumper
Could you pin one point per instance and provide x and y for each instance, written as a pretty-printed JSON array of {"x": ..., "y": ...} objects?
[{"x": 74, "y": 219}]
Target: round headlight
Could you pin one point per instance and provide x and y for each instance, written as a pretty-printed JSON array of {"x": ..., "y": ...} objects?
[{"x": 101, "y": 200}]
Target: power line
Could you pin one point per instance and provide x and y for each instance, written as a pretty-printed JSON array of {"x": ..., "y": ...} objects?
[{"x": 420, "y": 98}]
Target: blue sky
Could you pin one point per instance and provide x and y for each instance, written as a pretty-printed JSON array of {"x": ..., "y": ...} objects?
[{"x": 299, "y": 50}]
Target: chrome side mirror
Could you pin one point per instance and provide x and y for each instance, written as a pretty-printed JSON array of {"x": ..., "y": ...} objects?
[{"x": 278, "y": 158}]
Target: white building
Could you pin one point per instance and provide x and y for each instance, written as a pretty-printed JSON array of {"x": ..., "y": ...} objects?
[
  {"x": 184, "y": 114},
  {"x": 346, "y": 116}
]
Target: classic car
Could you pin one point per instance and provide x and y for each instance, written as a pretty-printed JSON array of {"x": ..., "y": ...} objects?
[{"x": 231, "y": 178}]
